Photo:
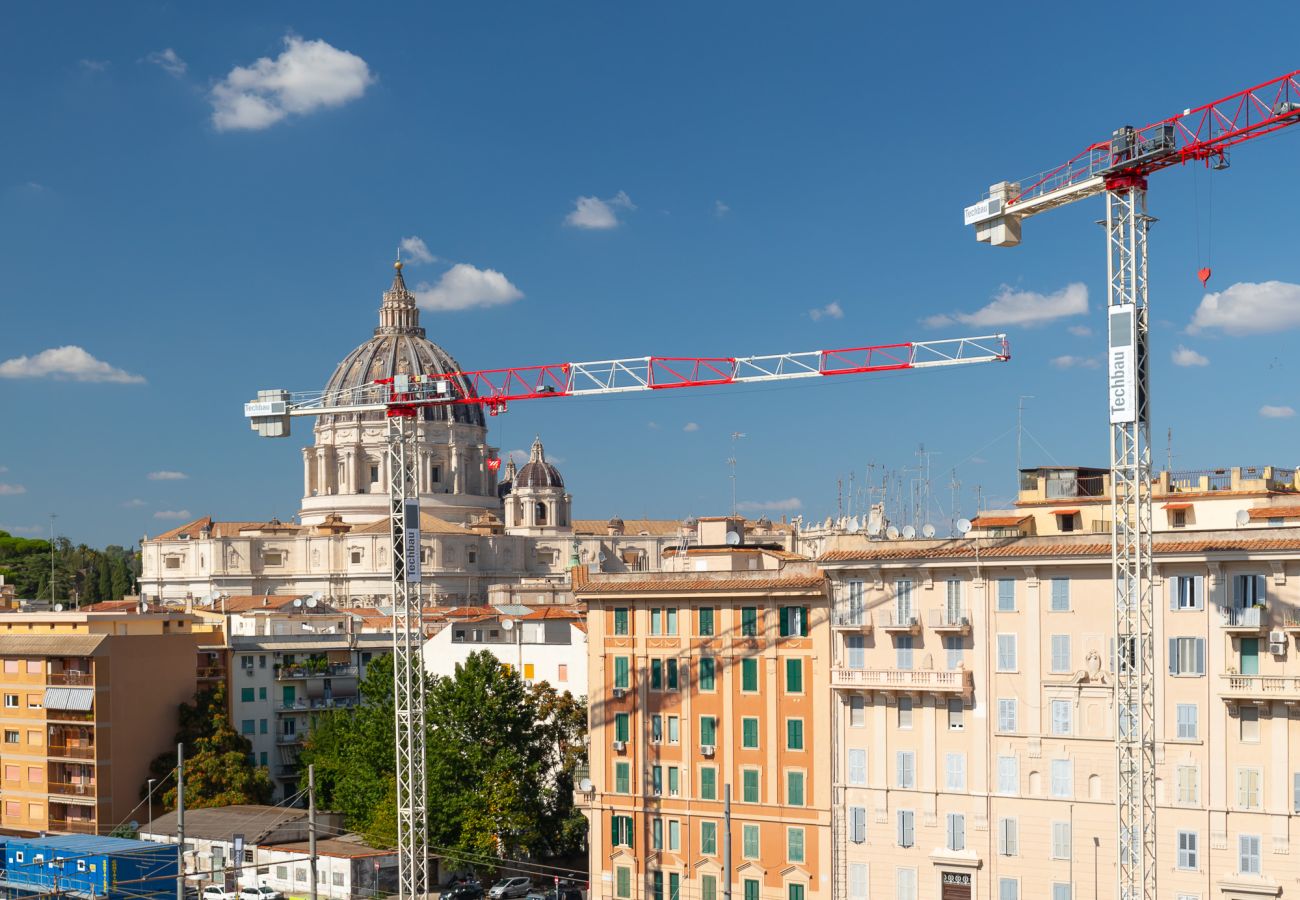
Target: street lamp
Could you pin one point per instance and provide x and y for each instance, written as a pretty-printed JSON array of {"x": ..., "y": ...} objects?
[{"x": 149, "y": 801}]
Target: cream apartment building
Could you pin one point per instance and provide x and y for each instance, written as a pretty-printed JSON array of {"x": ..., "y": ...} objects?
[{"x": 973, "y": 697}]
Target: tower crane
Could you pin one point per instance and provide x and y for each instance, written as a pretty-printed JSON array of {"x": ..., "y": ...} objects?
[
  {"x": 1119, "y": 168},
  {"x": 400, "y": 398}
]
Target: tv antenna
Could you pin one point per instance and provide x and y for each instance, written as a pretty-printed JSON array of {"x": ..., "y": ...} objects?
[{"x": 731, "y": 462}]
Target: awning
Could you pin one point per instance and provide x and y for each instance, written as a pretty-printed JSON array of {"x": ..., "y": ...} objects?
[
  {"x": 1177, "y": 506},
  {"x": 76, "y": 699},
  {"x": 1065, "y": 512}
]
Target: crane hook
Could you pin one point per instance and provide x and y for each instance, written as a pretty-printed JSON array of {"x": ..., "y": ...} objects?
[{"x": 1204, "y": 275}]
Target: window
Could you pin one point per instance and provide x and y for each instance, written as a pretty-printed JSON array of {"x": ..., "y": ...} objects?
[
  {"x": 749, "y": 733},
  {"x": 794, "y": 621},
  {"x": 1186, "y": 656},
  {"x": 670, "y": 670},
  {"x": 1008, "y": 889},
  {"x": 857, "y": 711},
  {"x": 621, "y": 727},
  {"x": 1008, "y": 837},
  {"x": 707, "y": 669},
  {"x": 621, "y": 831},
  {"x": 708, "y": 783},
  {"x": 906, "y": 768},
  {"x": 1060, "y": 653},
  {"x": 656, "y": 621},
  {"x": 708, "y": 887},
  {"x": 674, "y": 732},
  {"x": 749, "y": 786},
  {"x": 1008, "y": 775},
  {"x": 1248, "y": 780},
  {"x": 905, "y": 879},
  {"x": 749, "y": 675},
  {"x": 1006, "y": 595},
  {"x": 1007, "y": 714},
  {"x": 855, "y": 614},
  {"x": 706, "y": 621},
  {"x": 622, "y": 623},
  {"x": 709, "y": 731},
  {"x": 749, "y": 848},
  {"x": 858, "y": 824},
  {"x": 956, "y": 715},
  {"x": 749, "y": 621},
  {"x": 857, "y": 766},
  {"x": 656, "y": 834},
  {"x": 904, "y": 712},
  {"x": 1295, "y": 792},
  {"x": 1187, "y": 592},
  {"x": 11, "y": 701},
  {"x": 954, "y": 609},
  {"x": 246, "y": 695},
  {"x": 903, "y": 651},
  {"x": 248, "y": 726},
  {"x": 859, "y": 883},
  {"x": 955, "y": 771},
  {"x": 1062, "y": 717},
  {"x": 1061, "y": 840},
  {"x": 1248, "y": 854},
  {"x": 794, "y": 844},
  {"x": 674, "y": 781},
  {"x": 709, "y": 838},
  {"x": 794, "y": 892},
  {"x": 622, "y": 678},
  {"x": 11, "y": 736},
  {"x": 656, "y": 674},
  {"x": 1247, "y": 591},
  {"x": 1187, "y": 849},
  {"x": 906, "y": 828},
  {"x": 1062, "y": 778},
  {"x": 794, "y": 788},
  {"x": 562, "y": 672},
  {"x": 903, "y": 607},
  {"x": 794, "y": 734},
  {"x": 1006, "y": 652},
  {"x": 1187, "y": 725},
  {"x": 674, "y": 835},
  {"x": 855, "y": 651},
  {"x": 670, "y": 621},
  {"x": 956, "y": 832},
  {"x": 952, "y": 648},
  {"x": 1061, "y": 890},
  {"x": 622, "y": 778},
  {"x": 1249, "y": 724},
  {"x": 1187, "y": 785},
  {"x": 1060, "y": 595},
  {"x": 794, "y": 676},
  {"x": 261, "y": 693}
]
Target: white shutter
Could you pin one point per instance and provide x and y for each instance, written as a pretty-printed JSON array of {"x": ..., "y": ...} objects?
[
  {"x": 1173, "y": 656},
  {"x": 1172, "y": 583},
  {"x": 1261, "y": 588},
  {"x": 1199, "y": 602}
]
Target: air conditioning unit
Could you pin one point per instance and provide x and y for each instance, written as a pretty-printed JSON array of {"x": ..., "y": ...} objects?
[
  {"x": 620, "y": 746},
  {"x": 1277, "y": 637},
  {"x": 1277, "y": 648},
  {"x": 708, "y": 750},
  {"x": 913, "y": 621},
  {"x": 619, "y": 692},
  {"x": 965, "y": 620}
]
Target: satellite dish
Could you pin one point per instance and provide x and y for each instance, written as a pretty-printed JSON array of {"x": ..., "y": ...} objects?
[
  {"x": 733, "y": 539},
  {"x": 854, "y": 525},
  {"x": 317, "y": 595},
  {"x": 1243, "y": 517},
  {"x": 875, "y": 526},
  {"x": 963, "y": 526},
  {"x": 909, "y": 532},
  {"x": 892, "y": 533},
  {"x": 297, "y": 602},
  {"x": 58, "y": 607},
  {"x": 312, "y": 602},
  {"x": 927, "y": 530},
  {"x": 508, "y": 624},
  {"x": 586, "y": 786}
]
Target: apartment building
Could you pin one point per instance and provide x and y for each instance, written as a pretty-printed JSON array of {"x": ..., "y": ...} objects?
[
  {"x": 707, "y": 680},
  {"x": 90, "y": 698},
  {"x": 973, "y": 696},
  {"x": 541, "y": 643}
]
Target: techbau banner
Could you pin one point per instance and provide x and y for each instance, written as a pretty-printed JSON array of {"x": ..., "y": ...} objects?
[
  {"x": 411, "y": 532},
  {"x": 1121, "y": 370}
]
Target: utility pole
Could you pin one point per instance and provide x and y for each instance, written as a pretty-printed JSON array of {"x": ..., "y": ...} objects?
[
  {"x": 180, "y": 822},
  {"x": 53, "y": 516},
  {"x": 726, "y": 842},
  {"x": 311, "y": 825}
]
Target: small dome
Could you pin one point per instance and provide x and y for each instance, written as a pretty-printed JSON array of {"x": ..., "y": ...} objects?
[
  {"x": 616, "y": 522},
  {"x": 537, "y": 472}
]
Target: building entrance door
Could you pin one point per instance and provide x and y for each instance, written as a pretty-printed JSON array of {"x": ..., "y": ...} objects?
[{"x": 956, "y": 886}]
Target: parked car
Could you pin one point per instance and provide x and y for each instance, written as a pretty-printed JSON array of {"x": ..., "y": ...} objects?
[
  {"x": 218, "y": 892},
  {"x": 465, "y": 891},
  {"x": 506, "y": 888},
  {"x": 566, "y": 892},
  {"x": 260, "y": 892}
]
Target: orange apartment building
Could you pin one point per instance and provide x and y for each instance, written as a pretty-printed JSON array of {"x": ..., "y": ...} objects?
[
  {"x": 89, "y": 699},
  {"x": 707, "y": 678}
]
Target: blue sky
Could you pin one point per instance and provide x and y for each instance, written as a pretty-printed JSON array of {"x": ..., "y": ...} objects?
[{"x": 204, "y": 201}]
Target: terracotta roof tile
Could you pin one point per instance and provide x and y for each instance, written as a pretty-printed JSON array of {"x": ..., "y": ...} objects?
[
  {"x": 674, "y": 584},
  {"x": 998, "y": 521},
  {"x": 1032, "y": 548},
  {"x": 1275, "y": 512},
  {"x": 254, "y": 603}
]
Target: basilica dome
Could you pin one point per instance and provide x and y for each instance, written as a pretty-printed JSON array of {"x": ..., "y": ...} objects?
[
  {"x": 400, "y": 347},
  {"x": 537, "y": 472}
]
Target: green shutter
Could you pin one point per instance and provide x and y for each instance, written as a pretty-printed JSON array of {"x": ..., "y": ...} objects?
[
  {"x": 749, "y": 621},
  {"x": 620, "y": 621},
  {"x": 708, "y": 731},
  {"x": 706, "y": 673},
  {"x": 624, "y": 889},
  {"x": 621, "y": 672},
  {"x": 794, "y": 788},
  {"x": 706, "y": 622},
  {"x": 708, "y": 887},
  {"x": 794, "y": 849},
  {"x": 750, "y": 790},
  {"x": 749, "y": 675},
  {"x": 794, "y": 734},
  {"x": 749, "y": 736},
  {"x": 620, "y": 726},
  {"x": 708, "y": 838},
  {"x": 622, "y": 779},
  {"x": 785, "y": 621},
  {"x": 794, "y": 676},
  {"x": 656, "y": 674},
  {"x": 672, "y": 674},
  {"x": 708, "y": 783},
  {"x": 750, "y": 851}
]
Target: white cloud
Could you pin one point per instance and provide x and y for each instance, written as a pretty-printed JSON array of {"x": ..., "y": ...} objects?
[
  {"x": 307, "y": 76},
  {"x": 720, "y": 209},
  {"x": 519, "y": 456},
  {"x": 168, "y": 61},
  {"x": 1075, "y": 362},
  {"x": 415, "y": 251},
  {"x": 831, "y": 310},
  {"x": 172, "y": 514},
  {"x": 94, "y": 65},
  {"x": 653, "y": 426},
  {"x": 595, "y": 213},
  {"x": 1276, "y": 412},
  {"x": 1186, "y": 356},
  {"x": 1247, "y": 308},
  {"x": 691, "y": 426},
  {"x": 770, "y": 505},
  {"x": 465, "y": 287},
  {"x": 1080, "y": 330},
  {"x": 70, "y": 363},
  {"x": 1027, "y": 308},
  {"x": 10, "y": 490},
  {"x": 167, "y": 475},
  {"x": 134, "y": 504}
]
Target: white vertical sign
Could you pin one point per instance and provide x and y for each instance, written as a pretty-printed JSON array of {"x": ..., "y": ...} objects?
[
  {"x": 411, "y": 535},
  {"x": 1121, "y": 369}
]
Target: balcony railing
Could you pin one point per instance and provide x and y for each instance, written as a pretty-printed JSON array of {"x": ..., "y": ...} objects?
[
  {"x": 904, "y": 680},
  {"x": 852, "y": 619},
  {"x": 949, "y": 619},
  {"x": 72, "y": 751},
  {"x": 899, "y": 620},
  {"x": 71, "y": 678},
  {"x": 68, "y": 715},
  {"x": 73, "y": 826},
  {"x": 1251, "y": 617},
  {"x": 1260, "y": 687},
  {"x": 78, "y": 789},
  {"x": 211, "y": 672},
  {"x": 287, "y": 739},
  {"x": 319, "y": 703},
  {"x": 334, "y": 670}
]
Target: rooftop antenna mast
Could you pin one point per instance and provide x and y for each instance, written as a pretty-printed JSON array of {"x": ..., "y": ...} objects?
[
  {"x": 731, "y": 461},
  {"x": 1020, "y": 427}
]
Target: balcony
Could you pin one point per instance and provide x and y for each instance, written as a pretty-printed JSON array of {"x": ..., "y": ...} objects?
[
  {"x": 80, "y": 679},
  {"x": 287, "y": 740},
  {"x": 901, "y": 621},
  {"x": 298, "y": 672},
  {"x": 950, "y": 621},
  {"x": 1243, "y": 621},
  {"x": 318, "y": 703},
  {"x": 211, "y": 673},
  {"x": 71, "y": 751},
  {"x": 69, "y": 715},
  {"x": 73, "y": 826},
  {"x": 1260, "y": 687},
  {"x": 75, "y": 789},
  {"x": 852, "y": 620},
  {"x": 905, "y": 681}
]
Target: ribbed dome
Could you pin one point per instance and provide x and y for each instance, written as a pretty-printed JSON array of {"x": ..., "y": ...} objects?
[
  {"x": 400, "y": 347},
  {"x": 537, "y": 472}
]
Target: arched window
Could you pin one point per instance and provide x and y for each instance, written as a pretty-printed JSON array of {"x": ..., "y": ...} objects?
[{"x": 539, "y": 514}]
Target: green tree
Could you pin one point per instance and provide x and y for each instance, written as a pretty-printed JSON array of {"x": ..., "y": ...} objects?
[
  {"x": 219, "y": 770},
  {"x": 563, "y": 721}
]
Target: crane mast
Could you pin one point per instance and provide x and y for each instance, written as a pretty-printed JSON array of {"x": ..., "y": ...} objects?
[
  {"x": 1118, "y": 168},
  {"x": 401, "y": 398}
]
